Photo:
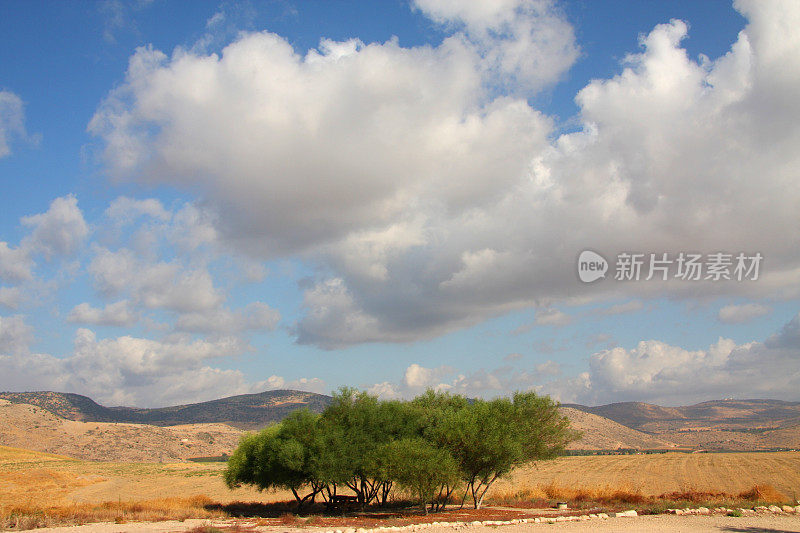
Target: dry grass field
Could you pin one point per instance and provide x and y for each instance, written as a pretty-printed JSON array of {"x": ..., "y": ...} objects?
[
  {"x": 48, "y": 489},
  {"x": 656, "y": 474},
  {"x": 27, "y": 477},
  {"x": 40, "y": 489}
]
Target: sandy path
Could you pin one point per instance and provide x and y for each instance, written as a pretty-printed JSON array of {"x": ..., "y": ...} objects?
[{"x": 644, "y": 524}]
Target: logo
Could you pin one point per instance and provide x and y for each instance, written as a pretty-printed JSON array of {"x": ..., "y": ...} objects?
[{"x": 591, "y": 266}]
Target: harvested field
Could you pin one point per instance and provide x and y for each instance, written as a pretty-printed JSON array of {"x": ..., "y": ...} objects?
[
  {"x": 46, "y": 489},
  {"x": 28, "y": 477},
  {"x": 656, "y": 474}
]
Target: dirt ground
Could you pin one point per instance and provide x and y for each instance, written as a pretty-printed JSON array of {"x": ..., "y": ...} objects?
[{"x": 669, "y": 523}]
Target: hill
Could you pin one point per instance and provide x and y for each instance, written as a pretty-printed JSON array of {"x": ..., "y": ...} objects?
[
  {"x": 76, "y": 425},
  {"x": 34, "y": 428},
  {"x": 719, "y": 414},
  {"x": 603, "y": 434},
  {"x": 715, "y": 425},
  {"x": 247, "y": 411}
]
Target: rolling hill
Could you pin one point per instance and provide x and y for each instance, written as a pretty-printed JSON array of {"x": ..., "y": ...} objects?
[
  {"x": 34, "y": 428},
  {"x": 246, "y": 411},
  {"x": 739, "y": 425},
  {"x": 603, "y": 434},
  {"x": 78, "y": 426},
  {"x": 718, "y": 414}
]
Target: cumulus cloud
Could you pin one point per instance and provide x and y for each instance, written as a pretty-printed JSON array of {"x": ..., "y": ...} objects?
[
  {"x": 550, "y": 368},
  {"x": 129, "y": 370},
  {"x": 737, "y": 314},
  {"x": 58, "y": 231},
  {"x": 433, "y": 194},
  {"x": 12, "y": 120},
  {"x": 125, "y": 210},
  {"x": 658, "y": 372},
  {"x": 10, "y": 297},
  {"x": 480, "y": 383},
  {"x": 15, "y": 263},
  {"x": 257, "y": 316},
  {"x": 526, "y": 43},
  {"x": 419, "y": 377},
  {"x": 155, "y": 285},
  {"x": 15, "y": 335},
  {"x": 114, "y": 314}
]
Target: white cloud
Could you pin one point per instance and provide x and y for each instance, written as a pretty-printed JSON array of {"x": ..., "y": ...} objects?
[
  {"x": 548, "y": 368},
  {"x": 10, "y": 297},
  {"x": 12, "y": 120},
  {"x": 657, "y": 372},
  {"x": 257, "y": 316},
  {"x": 15, "y": 263},
  {"x": 419, "y": 377},
  {"x": 433, "y": 197},
  {"x": 132, "y": 371},
  {"x": 480, "y": 383},
  {"x": 552, "y": 317},
  {"x": 384, "y": 390},
  {"x": 737, "y": 314},
  {"x": 15, "y": 335},
  {"x": 307, "y": 384},
  {"x": 115, "y": 314},
  {"x": 527, "y": 42},
  {"x": 125, "y": 210},
  {"x": 58, "y": 231},
  {"x": 155, "y": 285},
  {"x": 622, "y": 308},
  {"x": 129, "y": 370}
]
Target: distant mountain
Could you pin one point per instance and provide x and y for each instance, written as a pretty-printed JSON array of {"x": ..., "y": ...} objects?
[
  {"x": 247, "y": 411},
  {"x": 600, "y": 433},
  {"x": 718, "y": 414},
  {"x": 715, "y": 425}
]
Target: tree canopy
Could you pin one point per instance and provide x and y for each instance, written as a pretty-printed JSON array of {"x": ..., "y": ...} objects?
[{"x": 427, "y": 446}]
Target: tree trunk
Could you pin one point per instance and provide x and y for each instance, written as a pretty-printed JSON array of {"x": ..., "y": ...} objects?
[{"x": 485, "y": 490}]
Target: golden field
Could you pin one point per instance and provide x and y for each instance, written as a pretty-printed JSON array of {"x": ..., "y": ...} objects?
[
  {"x": 657, "y": 474},
  {"x": 28, "y": 477},
  {"x": 40, "y": 489}
]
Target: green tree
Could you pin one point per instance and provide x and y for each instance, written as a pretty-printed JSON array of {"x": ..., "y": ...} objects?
[
  {"x": 355, "y": 427},
  {"x": 488, "y": 439},
  {"x": 424, "y": 469},
  {"x": 425, "y": 445},
  {"x": 280, "y": 456}
]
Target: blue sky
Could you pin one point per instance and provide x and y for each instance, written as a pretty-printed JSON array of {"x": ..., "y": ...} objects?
[{"x": 203, "y": 199}]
